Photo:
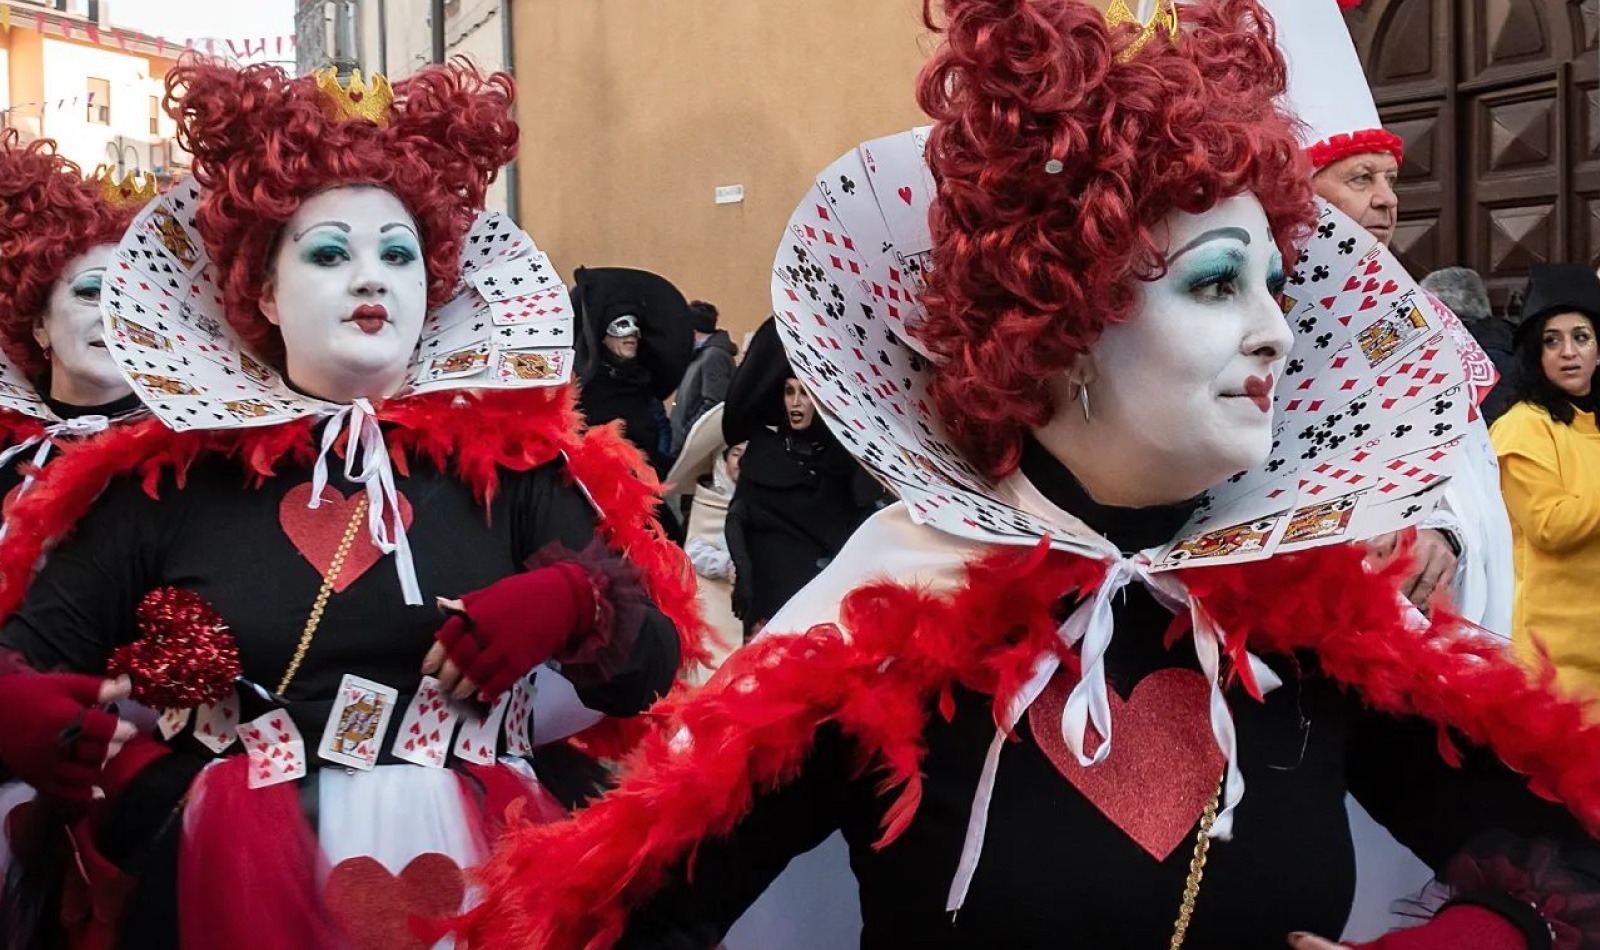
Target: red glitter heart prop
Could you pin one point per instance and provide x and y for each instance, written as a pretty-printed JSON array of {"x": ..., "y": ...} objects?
[
  {"x": 1164, "y": 764},
  {"x": 185, "y": 655},
  {"x": 316, "y": 532},
  {"x": 375, "y": 908}
]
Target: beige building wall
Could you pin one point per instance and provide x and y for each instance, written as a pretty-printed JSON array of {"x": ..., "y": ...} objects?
[
  {"x": 634, "y": 111},
  {"x": 472, "y": 30}
]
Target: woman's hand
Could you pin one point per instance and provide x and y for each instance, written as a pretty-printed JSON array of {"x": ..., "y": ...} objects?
[
  {"x": 497, "y": 635},
  {"x": 58, "y": 735},
  {"x": 1313, "y": 942}
]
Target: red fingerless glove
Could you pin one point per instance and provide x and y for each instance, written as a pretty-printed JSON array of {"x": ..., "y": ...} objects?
[
  {"x": 517, "y": 623},
  {"x": 55, "y": 738},
  {"x": 1457, "y": 927}
]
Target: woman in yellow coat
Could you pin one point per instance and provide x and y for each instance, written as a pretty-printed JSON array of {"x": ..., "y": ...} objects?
[{"x": 1549, "y": 451}]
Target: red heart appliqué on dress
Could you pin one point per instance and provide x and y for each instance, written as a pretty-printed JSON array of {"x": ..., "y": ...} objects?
[
  {"x": 316, "y": 532},
  {"x": 375, "y": 908},
  {"x": 1164, "y": 764}
]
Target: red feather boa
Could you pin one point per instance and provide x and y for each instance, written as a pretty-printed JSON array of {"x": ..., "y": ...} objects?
[
  {"x": 473, "y": 435},
  {"x": 751, "y": 727}
]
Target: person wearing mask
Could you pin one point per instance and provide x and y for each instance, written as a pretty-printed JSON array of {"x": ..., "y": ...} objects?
[
  {"x": 800, "y": 495},
  {"x": 633, "y": 346},
  {"x": 705, "y": 383},
  {"x": 1549, "y": 452}
]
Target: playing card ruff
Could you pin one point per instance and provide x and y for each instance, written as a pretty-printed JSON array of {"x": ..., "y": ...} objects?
[
  {"x": 1107, "y": 673},
  {"x": 1369, "y": 348}
]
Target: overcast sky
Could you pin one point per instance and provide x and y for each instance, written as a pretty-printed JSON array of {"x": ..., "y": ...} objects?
[{"x": 183, "y": 19}]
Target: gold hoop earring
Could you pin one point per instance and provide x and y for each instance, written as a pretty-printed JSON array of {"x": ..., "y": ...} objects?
[{"x": 1083, "y": 399}]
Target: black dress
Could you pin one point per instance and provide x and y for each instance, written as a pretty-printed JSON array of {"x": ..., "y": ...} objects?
[
  {"x": 1058, "y": 870},
  {"x": 251, "y": 548}
]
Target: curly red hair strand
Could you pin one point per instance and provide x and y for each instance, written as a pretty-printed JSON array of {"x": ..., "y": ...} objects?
[
  {"x": 49, "y": 215},
  {"x": 1029, "y": 266},
  {"x": 263, "y": 142}
]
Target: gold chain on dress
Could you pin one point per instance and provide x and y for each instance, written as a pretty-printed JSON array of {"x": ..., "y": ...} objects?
[
  {"x": 321, "y": 603},
  {"x": 1197, "y": 871}
]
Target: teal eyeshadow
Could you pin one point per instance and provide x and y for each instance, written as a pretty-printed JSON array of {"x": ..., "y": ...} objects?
[
  {"x": 86, "y": 282},
  {"x": 1203, "y": 267},
  {"x": 402, "y": 244},
  {"x": 328, "y": 242}
]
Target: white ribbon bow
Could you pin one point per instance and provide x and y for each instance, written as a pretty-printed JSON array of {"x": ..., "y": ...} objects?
[
  {"x": 77, "y": 428},
  {"x": 365, "y": 439},
  {"x": 1090, "y": 629}
]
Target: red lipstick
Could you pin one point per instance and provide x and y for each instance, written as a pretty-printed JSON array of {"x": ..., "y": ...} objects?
[
  {"x": 1259, "y": 391},
  {"x": 370, "y": 317}
]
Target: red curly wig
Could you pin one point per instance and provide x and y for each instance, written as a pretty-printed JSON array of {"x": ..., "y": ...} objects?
[
  {"x": 49, "y": 214},
  {"x": 264, "y": 142},
  {"x": 1029, "y": 266}
]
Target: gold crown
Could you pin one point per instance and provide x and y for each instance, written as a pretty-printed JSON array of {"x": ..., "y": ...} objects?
[
  {"x": 133, "y": 190},
  {"x": 356, "y": 100},
  {"x": 1164, "y": 20}
]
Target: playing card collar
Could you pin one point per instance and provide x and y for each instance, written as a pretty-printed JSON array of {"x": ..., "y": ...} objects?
[
  {"x": 1368, "y": 413},
  {"x": 508, "y": 325}
]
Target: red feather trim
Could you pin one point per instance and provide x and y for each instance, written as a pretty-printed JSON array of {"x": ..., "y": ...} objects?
[
  {"x": 514, "y": 429},
  {"x": 752, "y": 726},
  {"x": 1364, "y": 142},
  {"x": 16, "y": 427}
]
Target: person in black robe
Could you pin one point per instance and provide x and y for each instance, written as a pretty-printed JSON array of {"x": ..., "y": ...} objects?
[
  {"x": 636, "y": 339},
  {"x": 800, "y": 495}
]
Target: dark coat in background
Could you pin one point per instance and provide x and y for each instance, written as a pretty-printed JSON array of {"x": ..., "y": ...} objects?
[
  {"x": 704, "y": 384},
  {"x": 800, "y": 494},
  {"x": 632, "y": 391}
]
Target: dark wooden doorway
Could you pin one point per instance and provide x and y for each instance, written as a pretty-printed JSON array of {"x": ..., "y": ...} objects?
[{"x": 1498, "y": 102}]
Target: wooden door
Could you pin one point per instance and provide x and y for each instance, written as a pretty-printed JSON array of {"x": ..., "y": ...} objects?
[{"x": 1497, "y": 103}]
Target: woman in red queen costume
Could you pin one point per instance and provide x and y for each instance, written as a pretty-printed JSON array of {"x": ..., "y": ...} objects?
[
  {"x": 57, "y": 231},
  {"x": 1102, "y": 679},
  {"x": 350, "y": 553},
  {"x": 58, "y": 382}
]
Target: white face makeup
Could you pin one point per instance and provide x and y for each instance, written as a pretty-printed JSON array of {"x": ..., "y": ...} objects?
[
  {"x": 1180, "y": 395},
  {"x": 347, "y": 288},
  {"x": 798, "y": 409},
  {"x": 82, "y": 372}
]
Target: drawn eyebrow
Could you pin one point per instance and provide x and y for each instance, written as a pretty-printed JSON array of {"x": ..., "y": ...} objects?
[
  {"x": 324, "y": 224},
  {"x": 397, "y": 224},
  {"x": 1215, "y": 234}
]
